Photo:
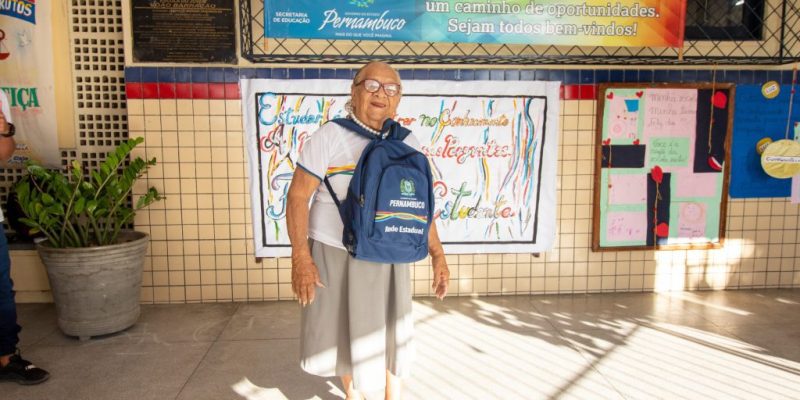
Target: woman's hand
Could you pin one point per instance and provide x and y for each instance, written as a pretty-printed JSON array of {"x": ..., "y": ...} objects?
[
  {"x": 305, "y": 278},
  {"x": 441, "y": 276}
]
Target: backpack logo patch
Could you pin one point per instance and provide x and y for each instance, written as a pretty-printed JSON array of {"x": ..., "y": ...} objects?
[{"x": 407, "y": 188}]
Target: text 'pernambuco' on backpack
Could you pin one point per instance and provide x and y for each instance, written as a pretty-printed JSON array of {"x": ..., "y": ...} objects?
[{"x": 389, "y": 205}]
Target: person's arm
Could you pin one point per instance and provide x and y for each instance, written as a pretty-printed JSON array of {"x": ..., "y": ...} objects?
[
  {"x": 305, "y": 275},
  {"x": 441, "y": 273},
  {"x": 7, "y": 144}
]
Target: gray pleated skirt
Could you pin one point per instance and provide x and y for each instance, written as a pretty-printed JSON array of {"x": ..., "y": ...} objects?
[{"x": 360, "y": 323}]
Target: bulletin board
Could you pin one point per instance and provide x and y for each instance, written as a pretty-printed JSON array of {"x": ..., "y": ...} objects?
[
  {"x": 756, "y": 117},
  {"x": 662, "y": 166}
]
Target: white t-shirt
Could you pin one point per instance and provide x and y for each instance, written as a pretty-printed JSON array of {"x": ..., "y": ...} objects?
[
  {"x": 5, "y": 107},
  {"x": 333, "y": 151}
]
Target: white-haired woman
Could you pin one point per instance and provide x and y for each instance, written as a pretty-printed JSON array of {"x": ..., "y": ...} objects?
[{"x": 356, "y": 320}]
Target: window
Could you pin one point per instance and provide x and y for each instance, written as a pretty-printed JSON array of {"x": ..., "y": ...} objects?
[{"x": 724, "y": 19}]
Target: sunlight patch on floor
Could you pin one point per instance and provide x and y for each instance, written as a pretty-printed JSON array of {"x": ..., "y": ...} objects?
[
  {"x": 459, "y": 359},
  {"x": 250, "y": 391},
  {"x": 693, "y": 298},
  {"x": 500, "y": 358}
]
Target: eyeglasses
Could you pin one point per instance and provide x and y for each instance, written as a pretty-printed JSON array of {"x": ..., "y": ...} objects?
[{"x": 372, "y": 86}]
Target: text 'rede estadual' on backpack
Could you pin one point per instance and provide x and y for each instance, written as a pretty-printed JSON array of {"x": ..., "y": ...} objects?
[{"x": 389, "y": 205}]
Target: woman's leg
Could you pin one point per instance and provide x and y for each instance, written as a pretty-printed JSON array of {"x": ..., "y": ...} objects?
[
  {"x": 394, "y": 387},
  {"x": 350, "y": 392}
]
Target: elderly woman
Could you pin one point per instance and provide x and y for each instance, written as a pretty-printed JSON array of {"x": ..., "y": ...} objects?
[{"x": 356, "y": 317}]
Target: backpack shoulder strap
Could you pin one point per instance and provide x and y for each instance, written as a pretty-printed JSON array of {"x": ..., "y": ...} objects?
[{"x": 333, "y": 194}]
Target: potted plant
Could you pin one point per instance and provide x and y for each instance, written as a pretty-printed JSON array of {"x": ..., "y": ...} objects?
[{"x": 94, "y": 264}]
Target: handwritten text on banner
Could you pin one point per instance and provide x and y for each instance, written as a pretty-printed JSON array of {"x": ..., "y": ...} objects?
[{"x": 492, "y": 148}]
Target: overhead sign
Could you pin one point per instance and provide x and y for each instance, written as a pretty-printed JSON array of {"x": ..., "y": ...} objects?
[{"x": 654, "y": 23}]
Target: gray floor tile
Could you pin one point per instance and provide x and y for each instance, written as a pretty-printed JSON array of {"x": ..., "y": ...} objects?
[
  {"x": 165, "y": 324},
  {"x": 775, "y": 340},
  {"x": 255, "y": 369},
  {"x": 614, "y": 311},
  {"x": 264, "y": 320},
  {"x": 679, "y": 362},
  {"x": 37, "y": 321},
  {"x": 730, "y": 344},
  {"x": 735, "y": 308},
  {"x": 469, "y": 356},
  {"x": 514, "y": 313},
  {"x": 119, "y": 372}
]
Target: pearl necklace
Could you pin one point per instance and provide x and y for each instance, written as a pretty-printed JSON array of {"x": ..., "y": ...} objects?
[{"x": 363, "y": 125}]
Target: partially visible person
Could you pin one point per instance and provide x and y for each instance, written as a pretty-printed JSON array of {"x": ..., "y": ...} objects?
[
  {"x": 12, "y": 366},
  {"x": 356, "y": 317}
]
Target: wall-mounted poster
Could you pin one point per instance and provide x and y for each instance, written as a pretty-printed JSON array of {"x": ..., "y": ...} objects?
[
  {"x": 26, "y": 76},
  {"x": 661, "y": 173},
  {"x": 492, "y": 148},
  {"x": 757, "y": 117},
  {"x": 194, "y": 31},
  {"x": 654, "y": 23}
]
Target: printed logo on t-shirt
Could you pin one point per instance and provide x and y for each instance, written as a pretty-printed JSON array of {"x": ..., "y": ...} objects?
[{"x": 341, "y": 170}]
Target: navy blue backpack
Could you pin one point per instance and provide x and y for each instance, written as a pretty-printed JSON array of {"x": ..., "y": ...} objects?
[{"x": 389, "y": 205}]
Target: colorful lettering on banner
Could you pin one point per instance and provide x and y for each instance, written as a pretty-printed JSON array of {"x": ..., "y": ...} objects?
[
  {"x": 27, "y": 79},
  {"x": 492, "y": 149},
  {"x": 590, "y": 23},
  {"x": 23, "y": 98},
  {"x": 21, "y": 9}
]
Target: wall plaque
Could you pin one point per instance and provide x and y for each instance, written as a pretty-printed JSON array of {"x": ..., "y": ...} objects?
[{"x": 194, "y": 31}]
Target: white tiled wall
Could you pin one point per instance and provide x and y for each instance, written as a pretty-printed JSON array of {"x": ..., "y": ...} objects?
[{"x": 202, "y": 248}]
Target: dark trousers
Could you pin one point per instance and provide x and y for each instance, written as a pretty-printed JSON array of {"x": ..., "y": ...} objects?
[{"x": 9, "y": 330}]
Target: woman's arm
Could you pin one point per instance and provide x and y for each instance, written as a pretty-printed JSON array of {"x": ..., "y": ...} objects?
[
  {"x": 305, "y": 276},
  {"x": 7, "y": 144}
]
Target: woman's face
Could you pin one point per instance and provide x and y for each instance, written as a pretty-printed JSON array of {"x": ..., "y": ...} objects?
[{"x": 374, "y": 108}]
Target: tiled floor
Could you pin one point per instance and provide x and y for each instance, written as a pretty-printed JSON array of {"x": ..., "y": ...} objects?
[{"x": 725, "y": 345}]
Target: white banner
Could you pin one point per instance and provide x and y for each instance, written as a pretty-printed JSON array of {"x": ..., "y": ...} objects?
[
  {"x": 492, "y": 145},
  {"x": 26, "y": 75}
]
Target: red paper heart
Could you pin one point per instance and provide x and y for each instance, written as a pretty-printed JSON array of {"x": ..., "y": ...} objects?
[
  {"x": 639, "y": 93},
  {"x": 607, "y": 142},
  {"x": 636, "y": 142},
  {"x": 720, "y": 100},
  {"x": 610, "y": 95},
  {"x": 714, "y": 164},
  {"x": 662, "y": 230},
  {"x": 657, "y": 174}
]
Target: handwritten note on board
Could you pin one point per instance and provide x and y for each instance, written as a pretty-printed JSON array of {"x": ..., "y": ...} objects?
[
  {"x": 670, "y": 112},
  {"x": 625, "y": 226},
  {"x": 627, "y": 189},
  {"x": 669, "y": 151},
  {"x": 691, "y": 220}
]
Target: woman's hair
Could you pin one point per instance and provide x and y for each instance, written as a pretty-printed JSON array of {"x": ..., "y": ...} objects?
[
  {"x": 360, "y": 71},
  {"x": 348, "y": 106}
]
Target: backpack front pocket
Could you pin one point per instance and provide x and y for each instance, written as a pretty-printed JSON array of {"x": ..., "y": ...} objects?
[{"x": 401, "y": 204}]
